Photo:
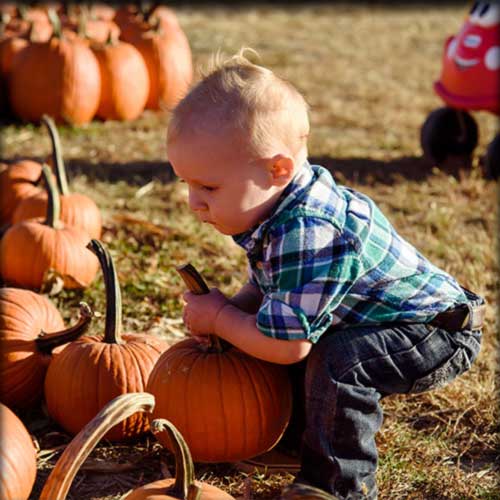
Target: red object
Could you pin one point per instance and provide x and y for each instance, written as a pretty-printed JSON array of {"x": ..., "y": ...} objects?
[{"x": 470, "y": 75}]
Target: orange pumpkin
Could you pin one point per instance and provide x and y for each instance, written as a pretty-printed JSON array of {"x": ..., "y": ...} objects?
[
  {"x": 59, "y": 77},
  {"x": 121, "y": 407},
  {"x": 17, "y": 181},
  {"x": 76, "y": 209},
  {"x": 134, "y": 19},
  {"x": 166, "y": 51},
  {"x": 183, "y": 485},
  {"x": 30, "y": 329},
  {"x": 48, "y": 246},
  {"x": 93, "y": 370},
  {"x": 211, "y": 394},
  {"x": 17, "y": 456},
  {"x": 122, "y": 97}
]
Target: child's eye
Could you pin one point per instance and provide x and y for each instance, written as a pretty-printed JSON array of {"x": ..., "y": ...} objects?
[{"x": 208, "y": 188}]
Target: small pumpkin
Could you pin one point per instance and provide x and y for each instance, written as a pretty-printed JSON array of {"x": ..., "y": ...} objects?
[
  {"x": 59, "y": 77},
  {"x": 93, "y": 370},
  {"x": 31, "y": 329},
  {"x": 48, "y": 246},
  {"x": 228, "y": 405},
  {"x": 77, "y": 209},
  {"x": 122, "y": 407},
  {"x": 183, "y": 486},
  {"x": 17, "y": 181},
  {"x": 17, "y": 456},
  {"x": 122, "y": 97}
]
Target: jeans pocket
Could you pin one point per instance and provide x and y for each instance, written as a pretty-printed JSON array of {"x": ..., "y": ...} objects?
[{"x": 454, "y": 366}]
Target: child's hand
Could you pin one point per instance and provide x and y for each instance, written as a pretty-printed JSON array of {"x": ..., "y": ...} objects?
[{"x": 201, "y": 311}]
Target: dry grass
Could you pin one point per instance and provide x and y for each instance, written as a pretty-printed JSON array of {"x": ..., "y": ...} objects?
[{"x": 367, "y": 74}]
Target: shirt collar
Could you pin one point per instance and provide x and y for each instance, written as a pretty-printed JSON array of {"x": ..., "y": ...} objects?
[{"x": 300, "y": 181}]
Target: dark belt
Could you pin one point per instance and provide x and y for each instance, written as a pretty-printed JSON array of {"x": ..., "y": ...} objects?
[{"x": 460, "y": 318}]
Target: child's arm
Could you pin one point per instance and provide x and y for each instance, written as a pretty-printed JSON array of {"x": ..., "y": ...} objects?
[
  {"x": 239, "y": 328},
  {"x": 248, "y": 299},
  {"x": 214, "y": 313}
]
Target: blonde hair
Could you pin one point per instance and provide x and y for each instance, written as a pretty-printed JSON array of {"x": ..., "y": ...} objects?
[{"x": 249, "y": 99}]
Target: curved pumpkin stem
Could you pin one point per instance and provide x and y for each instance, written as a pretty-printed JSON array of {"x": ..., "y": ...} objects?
[
  {"x": 118, "y": 409},
  {"x": 184, "y": 487},
  {"x": 45, "y": 342},
  {"x": 113, "y": 326},
  {"x": 197, "y": 285},
  {"x": 60, "y": 170},
  {"x": 53, "y": 201}
]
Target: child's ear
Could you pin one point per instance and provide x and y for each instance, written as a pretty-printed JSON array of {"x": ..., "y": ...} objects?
[{"x": 281, "y": 169}]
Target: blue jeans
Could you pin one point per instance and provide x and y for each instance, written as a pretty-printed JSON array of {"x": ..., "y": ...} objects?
[{"x": 346, "y": 375}]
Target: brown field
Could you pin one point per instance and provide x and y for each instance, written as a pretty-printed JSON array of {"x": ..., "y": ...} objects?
[{"x": 367, "y": 73}]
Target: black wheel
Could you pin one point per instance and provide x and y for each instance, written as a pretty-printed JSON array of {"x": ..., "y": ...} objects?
[
  {"x": 448, "y": 131},
  {"x": 492, "y": 162}
]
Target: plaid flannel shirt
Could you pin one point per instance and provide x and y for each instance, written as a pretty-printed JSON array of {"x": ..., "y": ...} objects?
[{"x": 328, "y": 257}]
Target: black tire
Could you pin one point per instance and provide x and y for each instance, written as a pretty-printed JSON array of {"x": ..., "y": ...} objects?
[
  {"x": 448, "y": 131},
  {"x": 492, "y": 161}
]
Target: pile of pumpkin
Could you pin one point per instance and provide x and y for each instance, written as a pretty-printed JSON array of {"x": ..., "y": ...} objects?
[
  {"x": 78, "y": 61},
  {"x": 227, "y": 405}
]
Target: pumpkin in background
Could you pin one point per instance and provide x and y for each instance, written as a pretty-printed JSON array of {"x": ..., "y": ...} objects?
[
  {"x": 122, "y": 97},
  {"x": 183, "y": 485},
  {"x": 59, "y": 77},
  {"x": 166, "y": 51},
  {"x": 47, "y": 246},
  {"x": 93, "y": 370},
  {"x": 122, "y": 407},
  {"x": 82, "y": 24},
  {"x": 229, "y": 406},
  {"x": 77, "y": 209},
  {"x": 134, "y": 19},
  {"x": 17, "y": 181},
  {"x": 17, "y": 456},
  {"x": 31, "y": 329}
]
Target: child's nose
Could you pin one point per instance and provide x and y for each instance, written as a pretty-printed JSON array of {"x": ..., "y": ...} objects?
[{"x": 195, "y": 202}]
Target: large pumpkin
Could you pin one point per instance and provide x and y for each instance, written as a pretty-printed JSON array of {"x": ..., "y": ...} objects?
[
  {"x": 122, "y": 97},
  {"x": 17, "y": 181},
  {"x": 30, "y": 329},
  {"x": 167, "y": 54},
  {"x": 59, "y": 77},
  {"x": 183, "y": 486},
  {"x": 47, "y": 247},
  {"x": 228, "y": 406},
  {"x": 17, "y": 456},
  {"x": 93, "y": 370},
  {"x": 77, "y": 209}
]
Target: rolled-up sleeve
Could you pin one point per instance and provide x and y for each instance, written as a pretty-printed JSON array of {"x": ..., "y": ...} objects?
[{"x": 311, "y": 267}]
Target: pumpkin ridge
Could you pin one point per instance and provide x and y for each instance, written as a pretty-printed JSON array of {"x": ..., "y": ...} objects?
[
  {"x": 228, "y": 362},
  {"x": 257, "y": 369}
]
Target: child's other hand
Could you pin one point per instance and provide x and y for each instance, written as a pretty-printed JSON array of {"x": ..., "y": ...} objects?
[{"x": 201, "y": 311}]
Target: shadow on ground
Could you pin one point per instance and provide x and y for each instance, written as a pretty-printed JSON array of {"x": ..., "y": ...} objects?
[{"x": 359, "y": 170}]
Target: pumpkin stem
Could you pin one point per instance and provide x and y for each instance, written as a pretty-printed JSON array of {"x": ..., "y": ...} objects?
[
  {"x": 184, "y": 487},
  {"x": 118, "y": 409},
  {"x": 45, "y": 342},
  {"x": 55, "y": 21},
  {"x": 197, "y": 285},
  {"x": 53, "y": 201},
  {"x": 113, "y": 326},
  {"x": 57, "y": 158}
]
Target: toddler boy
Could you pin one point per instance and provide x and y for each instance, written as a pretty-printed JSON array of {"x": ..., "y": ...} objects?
[{"x": 330, "y": 279}]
